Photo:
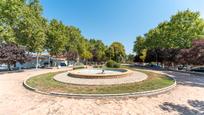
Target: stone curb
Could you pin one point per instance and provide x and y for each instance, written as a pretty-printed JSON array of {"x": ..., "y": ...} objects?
[{"x": 121, "y": 95}]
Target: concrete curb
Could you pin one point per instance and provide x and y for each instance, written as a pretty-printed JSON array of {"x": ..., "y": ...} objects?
[{"x": 121, "y": 95}]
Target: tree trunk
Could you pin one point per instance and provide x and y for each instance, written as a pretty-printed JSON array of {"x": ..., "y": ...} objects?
[
  {"x": 172, "y": 64},
  {"x": 163, "y": 66},
  {"x": 49, "y": 61},
  {"x": 86, "y": 63},
  {"x": 9, "y": 67},
  {"x": 157, "y": 59},
  {"x": 36, "y": 66}
]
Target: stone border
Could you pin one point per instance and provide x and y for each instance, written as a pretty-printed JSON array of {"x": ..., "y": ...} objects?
[
  {"x": 121, "y": 95},
  {"x": 75, "y": 73}
]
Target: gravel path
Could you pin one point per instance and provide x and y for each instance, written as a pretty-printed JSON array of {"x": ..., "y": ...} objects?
[{"x": 186, "y": 99}]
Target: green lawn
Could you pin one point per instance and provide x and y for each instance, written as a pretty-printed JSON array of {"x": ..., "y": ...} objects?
[{"x": 45, "y": 82}]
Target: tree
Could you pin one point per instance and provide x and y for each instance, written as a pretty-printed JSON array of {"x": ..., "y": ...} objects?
[
  {"x": 97, "y": 49},
  {"x": 169, "y": 55},
  {"x": 137, "y": 59},
  {"x": 12, "y": 53},
  {"x": 140, "y": 48},
  {"x": 143, "y": 54},
  {"x": 12, "y": 12},
  {"x": 116, "y": 52},
  {"x": 130, "y": 58},
  {"x": 197, "y": 52},
  {"x": 31, "y": 31},
  {"x": 186, "y": 26},
  {"x": 163, "y": 43},
  {"x": 193, "y": 55},
  {"x": 21, "y": 22},
  {"x": 183, "y": 57},
  {"x": 139, "y": 44},
  {"x": 154, "y": 55},
  {"x": 86, "y": 54},
  {"x": 179, "y": 32},
  {"x": 56, "y": 38},
  {"x": 75, "y": 44}
]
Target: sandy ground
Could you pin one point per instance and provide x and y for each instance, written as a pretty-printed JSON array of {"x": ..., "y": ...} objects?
[{"x": 186, "y": 99}]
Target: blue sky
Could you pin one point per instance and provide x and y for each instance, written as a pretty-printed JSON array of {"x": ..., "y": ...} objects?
[{"x": 116, "y": 20}]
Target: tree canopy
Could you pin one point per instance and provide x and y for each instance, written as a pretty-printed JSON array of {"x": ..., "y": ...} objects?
[
  {"x": 171, "y": 38},
  {"x": 116, "y": 52},
  {"x": 98, "y": 49},
  {"x": 56, "y": 38},
  {"x": 12, "y": 53}
]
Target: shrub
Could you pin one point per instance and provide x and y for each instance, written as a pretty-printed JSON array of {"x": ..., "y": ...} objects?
[
  {"x": 97, "y": 66},
  {"x": 78, "y": 67},
  {"x": 112, "y": 64},
  {"x": 116, "y": 65}
]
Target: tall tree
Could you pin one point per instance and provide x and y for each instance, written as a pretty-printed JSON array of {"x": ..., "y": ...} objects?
[
  {"x": 139, "y": 44},
  {"x": 31, "y": 31},
  {"x": 116, "y": 52},
  {"x": 56, "y": 38},
  {"x": 130, "y": 58},
  {"x": 186, "y": 26},
  {"x": 86, "y": 53},
  {"x": 12, "y": 11},
  {"x": 170, "y": 36},
  {"x": 97, "y": 49},
  {"x": 143, "y": 54},
  {"x": 75, "y": 44}
]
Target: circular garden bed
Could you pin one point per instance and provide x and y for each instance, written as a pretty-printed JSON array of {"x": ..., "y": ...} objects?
[{"x": 154, "y": 84}]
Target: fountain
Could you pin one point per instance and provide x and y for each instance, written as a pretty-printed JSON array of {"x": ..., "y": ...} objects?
[
  {"x": 99, "y": 73},
  {"x": 100, "y": 76}
]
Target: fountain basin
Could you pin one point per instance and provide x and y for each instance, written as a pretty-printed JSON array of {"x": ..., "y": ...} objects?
[{"x": 99, "y": 73}]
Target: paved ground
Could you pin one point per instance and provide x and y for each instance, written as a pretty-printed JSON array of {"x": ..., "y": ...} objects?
[
  {"x": 186, "y": 99},
  {"x": 133, "y": 77}
]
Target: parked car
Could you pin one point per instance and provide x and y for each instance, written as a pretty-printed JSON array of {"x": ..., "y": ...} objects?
[
  {"x": 182, "y": 67},
  {"x": 154, "y": 66},
  {"x": 3, "y": 67},
  {"x": 198, "y": 69},
  {"x": 63, "y": 64}
]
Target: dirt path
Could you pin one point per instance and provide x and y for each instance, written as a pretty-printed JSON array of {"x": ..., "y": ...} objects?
[{"x": 186, "y": 98}]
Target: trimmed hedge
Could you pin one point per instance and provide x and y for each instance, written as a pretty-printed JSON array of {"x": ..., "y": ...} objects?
[
  {"x": 78, "y": 67},
  {"x": 97, "y": 66},
  {"x": 112, "y": 64}
]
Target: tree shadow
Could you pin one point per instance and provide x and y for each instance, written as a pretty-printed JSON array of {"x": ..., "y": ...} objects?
[{"x": 197, "y": 107}]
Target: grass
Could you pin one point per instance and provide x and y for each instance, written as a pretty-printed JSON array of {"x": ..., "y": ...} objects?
[{"x": 46, "y": 83}]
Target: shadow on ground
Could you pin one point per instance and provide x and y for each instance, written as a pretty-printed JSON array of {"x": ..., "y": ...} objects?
[{"x": 195, "y": 107}]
